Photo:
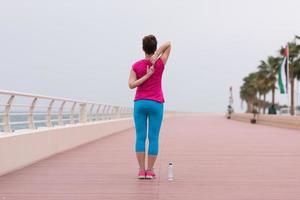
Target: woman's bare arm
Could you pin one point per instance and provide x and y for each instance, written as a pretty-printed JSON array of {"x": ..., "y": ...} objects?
[
  {"x": 162, "y": 52},
  {"x": 133, "y": 82}
]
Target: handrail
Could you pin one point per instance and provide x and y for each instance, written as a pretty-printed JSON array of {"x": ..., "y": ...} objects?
[
  {"x": 7, "y": 92},
  {"x": 79, "y": 112}
]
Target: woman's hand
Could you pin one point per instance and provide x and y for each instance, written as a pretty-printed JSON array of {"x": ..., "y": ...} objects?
[
  {"x": 133, "y": 82},
  {"x": 150, "y": 70},
  {"x": 153, "y": 58}
]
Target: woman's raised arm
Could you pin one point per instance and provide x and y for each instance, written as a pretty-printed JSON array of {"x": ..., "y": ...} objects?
[{"x": 162, "y": 52}]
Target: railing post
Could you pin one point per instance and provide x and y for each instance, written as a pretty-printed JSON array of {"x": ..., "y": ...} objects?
[
  {"x": 108, "y": 112},
  {"x": 6, "y": 118},
  {"x": 125, "y": 112},
  {"x": 118, "y": 112},
  {"x": 98, "y": 112},
  {"x": 72, "y": 113},
  {"x": 31, "y": 124},
  {"x": 49, "y": 110},
  {"x": 83, "y": 113},
  {"x": 60, "y": 114},
  {"x": 91, "y": 113},
  {"x": 114, "y": 112},
  {"x": 122, "y": 111},
  {"x": 104, "y": 112}
]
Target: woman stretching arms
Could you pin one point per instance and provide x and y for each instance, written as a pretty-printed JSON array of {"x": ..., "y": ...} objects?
[{"x": 146, "y": 76}]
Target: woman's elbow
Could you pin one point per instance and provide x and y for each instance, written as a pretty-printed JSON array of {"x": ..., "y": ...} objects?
[
  {"x": 131, "y": 86},
  {"x": 169, "y": 44}
]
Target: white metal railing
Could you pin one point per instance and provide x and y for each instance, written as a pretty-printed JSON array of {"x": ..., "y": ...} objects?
[{"x": 31, "y": 115}]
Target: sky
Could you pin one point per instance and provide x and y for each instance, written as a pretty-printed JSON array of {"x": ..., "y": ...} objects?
[{"x": 85, "y": 49}]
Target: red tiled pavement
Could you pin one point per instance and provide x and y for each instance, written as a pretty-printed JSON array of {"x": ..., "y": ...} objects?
[{"x": 214, "y": 159}]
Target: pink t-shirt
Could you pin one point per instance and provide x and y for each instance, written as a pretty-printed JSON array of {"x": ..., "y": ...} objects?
[{"x": 151, "y": 89}]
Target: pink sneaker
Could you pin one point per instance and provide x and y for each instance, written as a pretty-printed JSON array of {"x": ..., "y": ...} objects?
[
  {"x": 142, "y": 174},
  {"x": 150, "y": 174}
]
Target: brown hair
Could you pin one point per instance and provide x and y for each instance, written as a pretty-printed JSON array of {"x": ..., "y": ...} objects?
[{"x": 149, "y": 44}]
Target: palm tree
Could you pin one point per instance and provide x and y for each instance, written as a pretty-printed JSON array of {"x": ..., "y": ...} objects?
[
  {"x": 261, "y": 82},
  {"x": 255, "y": 85},
  {"x": 294, "y": 54},
  {"x": 264, "y": 84},
  {"x": 269, "y": 69},
  {"x": 248, "y": 90}
]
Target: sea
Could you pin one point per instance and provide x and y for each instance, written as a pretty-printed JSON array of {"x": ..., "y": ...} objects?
[{"x": 19, "y": 121}]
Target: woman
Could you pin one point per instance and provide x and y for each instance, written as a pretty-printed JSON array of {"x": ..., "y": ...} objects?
[{"x": 146, "y": 75}]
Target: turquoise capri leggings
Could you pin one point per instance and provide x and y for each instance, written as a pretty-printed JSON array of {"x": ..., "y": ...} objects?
[{"x": 148, "y": 115}]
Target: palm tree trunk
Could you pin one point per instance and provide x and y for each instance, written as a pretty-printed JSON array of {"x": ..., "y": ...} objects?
[
  {"x": 292, "y": 97},
  {"x": 273, "y": 94},
  {"x": 264, "y": 111},
  {"x": 259, "y": 103},
  {"x": 249, "y": 106}
]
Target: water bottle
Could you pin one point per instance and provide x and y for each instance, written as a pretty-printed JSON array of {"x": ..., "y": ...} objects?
[{"x": 170, "y": 172}]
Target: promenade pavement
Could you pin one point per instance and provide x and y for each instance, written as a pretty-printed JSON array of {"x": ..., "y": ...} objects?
[{"x": 214, "y": 159}]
